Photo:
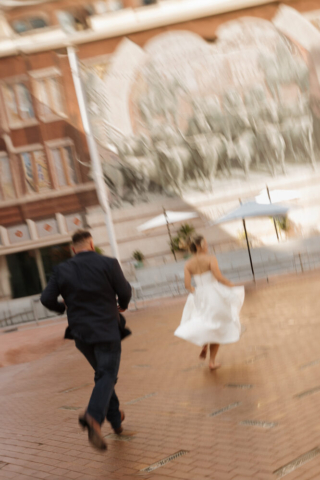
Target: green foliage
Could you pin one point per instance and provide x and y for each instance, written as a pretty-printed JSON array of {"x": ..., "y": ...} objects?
[
  {"x": 179, "y": 241},
  {"x": 186, "y": 231},
  {"x": 98, "y": 250},
  {"x": 138, "y": 256},
  {"x": 282, "y": 223}
]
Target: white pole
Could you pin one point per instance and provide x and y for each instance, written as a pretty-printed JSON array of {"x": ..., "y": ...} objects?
[{"x": 94, "y": 154}]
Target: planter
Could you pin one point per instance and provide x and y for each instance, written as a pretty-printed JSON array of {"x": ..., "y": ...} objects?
[{"x": 138, "y": 265}]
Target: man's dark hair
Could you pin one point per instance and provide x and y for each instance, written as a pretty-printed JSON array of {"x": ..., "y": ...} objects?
[{"x": 80, "y": 236}]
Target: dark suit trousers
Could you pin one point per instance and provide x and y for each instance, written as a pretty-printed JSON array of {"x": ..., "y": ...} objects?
[{"x": 105, "y": 360}]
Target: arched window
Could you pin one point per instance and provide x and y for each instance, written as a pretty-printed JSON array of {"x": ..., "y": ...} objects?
[
  {"x": 7, "y": 191},
  {"x": 27, "y": 24},
  {"x": 18, "y": 102}
]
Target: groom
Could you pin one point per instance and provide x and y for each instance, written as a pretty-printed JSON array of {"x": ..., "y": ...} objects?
[{"x": 94, "y": 291}]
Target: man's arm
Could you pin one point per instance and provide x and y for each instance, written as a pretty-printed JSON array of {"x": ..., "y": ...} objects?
[
  {"x": 121, "y": 286},
  {"x": 49, "y": 297}
]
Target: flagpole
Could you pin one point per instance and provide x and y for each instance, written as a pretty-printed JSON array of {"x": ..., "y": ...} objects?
[
  {"x": 248, "y": 245},
  {"x": 274, "y": 221},
  {"x": 169, "y": 232},
  {"x": 101, "y": 186}
]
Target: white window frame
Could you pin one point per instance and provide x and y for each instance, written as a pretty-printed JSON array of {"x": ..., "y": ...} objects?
[
  {"x": 58, "y": 144},
  {"x": 26, "y": 18},
  {"x": 43, "y": 75},
  {"x": 4, "y": 199},
  {"x": 12, "y": 82},
  {"x": 30, "y": 149}
]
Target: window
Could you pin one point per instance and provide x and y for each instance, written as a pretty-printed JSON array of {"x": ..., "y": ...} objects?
[
  {"x": 18, "y": 103},
  {"x": 7, "y": 191},
  {"x": 104, "y": 6},
  {"x": 24, "y": 274},
  {"x": 36, "y": 171},
  {"x": 63, "y": 159},
  {"x": 27, "y": 24},
  {"x": 49, "y": 96},
  {"x": 73, "y": 20}
]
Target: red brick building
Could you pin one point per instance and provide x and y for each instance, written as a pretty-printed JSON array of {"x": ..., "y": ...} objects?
[{"x": 45, "y": 187}]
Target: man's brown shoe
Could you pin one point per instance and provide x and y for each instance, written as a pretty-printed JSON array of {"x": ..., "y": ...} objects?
[
  {"x": 94, "y": 431},
  {"x": 119, "y": 430}
]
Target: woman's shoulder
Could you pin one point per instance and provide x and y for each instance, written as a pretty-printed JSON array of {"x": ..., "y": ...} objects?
[{"x": 189, "y": 263}]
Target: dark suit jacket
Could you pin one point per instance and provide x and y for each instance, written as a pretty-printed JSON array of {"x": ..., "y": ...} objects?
[{"x": 90, "y": 285}]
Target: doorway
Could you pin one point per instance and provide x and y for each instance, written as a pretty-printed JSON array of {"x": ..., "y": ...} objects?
[
  {"x": 52, "y": 256},
  {"x": 24, "y": 275}
]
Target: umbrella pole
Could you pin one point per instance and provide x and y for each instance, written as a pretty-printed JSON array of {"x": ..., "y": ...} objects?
[
  {"x": 169, "y": 233},
  {"x": 275, "y": 224},
  {"x": 249, "y": 252}
]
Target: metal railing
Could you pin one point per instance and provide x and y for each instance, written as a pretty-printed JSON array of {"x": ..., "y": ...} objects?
[
  {"x": 27, "y": 313},
  {"x": 172, "y": 285}
]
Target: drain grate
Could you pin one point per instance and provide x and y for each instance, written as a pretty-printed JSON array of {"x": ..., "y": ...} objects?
[
  {"x": 66, "y": 407},
  {"x": 306, "y": 393},
  {"x": 256, "y": 358},
  {"x": 298, "y": 462},
  {"x": 119, "y": 438},
  {"x": 194, "y": 367},
  {"x": 225, "y": 409},
  {"x": 75, "y": 388},
  {"x": 136, "y": 400},
  {"x": 257, "y": 423},
  {"x": 310, "y": 364},
  {"x": 164, "y": 461},
  {"x": 239, "y": 385}
]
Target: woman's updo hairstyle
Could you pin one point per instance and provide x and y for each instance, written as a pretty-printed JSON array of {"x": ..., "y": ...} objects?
[{"x": 194, "y": 242}]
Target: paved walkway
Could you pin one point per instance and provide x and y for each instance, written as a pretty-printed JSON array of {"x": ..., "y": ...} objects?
[{"x": 252, "y": 417}]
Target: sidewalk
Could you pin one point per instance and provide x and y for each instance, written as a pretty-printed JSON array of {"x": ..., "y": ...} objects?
[
  {"x": 268, "y": 261},
  {"x": 254, "y": 416}
]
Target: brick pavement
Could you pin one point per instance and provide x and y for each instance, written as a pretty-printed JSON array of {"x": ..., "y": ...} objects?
[{"x": 172, "y": 401}]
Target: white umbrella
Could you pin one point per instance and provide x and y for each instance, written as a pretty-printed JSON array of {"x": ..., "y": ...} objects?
[
  {"x": 165, "y": 218},
  {"x": 253, "y": 210},
  {"x": 277, "y": 196}
]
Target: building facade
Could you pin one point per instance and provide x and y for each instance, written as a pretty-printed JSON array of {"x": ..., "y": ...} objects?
[{"x": 46, "y": 190}]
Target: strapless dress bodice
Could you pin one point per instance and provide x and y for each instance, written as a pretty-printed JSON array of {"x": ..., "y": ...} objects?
[{"x": 205, "y": 278}]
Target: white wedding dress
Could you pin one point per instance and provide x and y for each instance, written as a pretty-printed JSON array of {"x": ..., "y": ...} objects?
[{"x": 211, "y": 313}]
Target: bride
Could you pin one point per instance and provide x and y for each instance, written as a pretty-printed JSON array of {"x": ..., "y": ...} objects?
[{"x": 211, "y": 313}]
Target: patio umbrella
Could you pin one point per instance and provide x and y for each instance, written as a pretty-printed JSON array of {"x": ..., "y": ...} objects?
[
  {"x": 276, "y": 196},
  {"x": 253, "y": 210},
  {"x": 166, "y": 218}
]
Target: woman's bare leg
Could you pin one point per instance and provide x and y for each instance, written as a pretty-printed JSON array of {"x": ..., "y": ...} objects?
[
  {"x": 214, "y": 347},
  {"x": 203, "y": 354}
]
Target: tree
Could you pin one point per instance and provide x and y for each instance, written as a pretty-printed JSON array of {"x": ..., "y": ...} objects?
[{"x": 179, "y": 242}]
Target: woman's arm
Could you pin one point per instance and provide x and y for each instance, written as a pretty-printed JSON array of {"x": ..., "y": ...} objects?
[
  {"x": 217, "y": 274},
  {"x": 187, "y": 279}
]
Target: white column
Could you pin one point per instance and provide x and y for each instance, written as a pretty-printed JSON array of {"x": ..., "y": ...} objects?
[
  {"x": 41, "y": 271},
  {"x": 5, "y": 286},
  {"x": 32, "y": 229},
  {"x": 94, "y": 155},
  {"x": 62, "y": 226},
  {"x": 4, "y": 237}
]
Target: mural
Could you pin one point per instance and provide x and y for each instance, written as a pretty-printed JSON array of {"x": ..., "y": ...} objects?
[{"x": 186, "y": 116}]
